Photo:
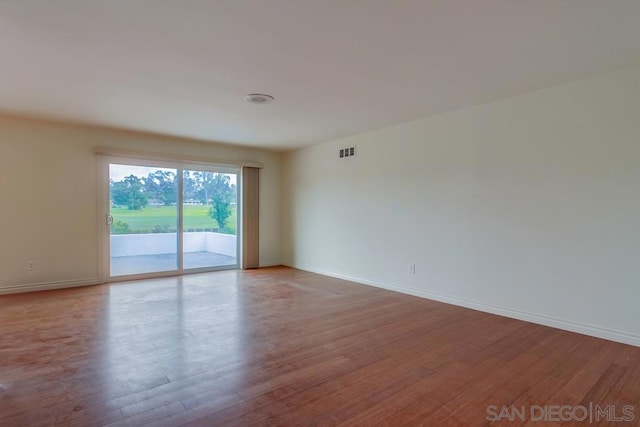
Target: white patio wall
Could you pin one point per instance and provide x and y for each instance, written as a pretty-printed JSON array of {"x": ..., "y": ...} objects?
[{"x": 165, "y": 243}]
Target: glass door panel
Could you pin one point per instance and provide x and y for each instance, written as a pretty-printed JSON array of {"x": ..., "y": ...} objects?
[
  {"x": 210, "y": 219},
  {"x": 143, "y": 219}
]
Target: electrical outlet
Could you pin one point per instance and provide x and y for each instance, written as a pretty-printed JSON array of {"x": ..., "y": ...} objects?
[
  {"x": 412, "y": 269},
  {"x": 31, "y": 265}
]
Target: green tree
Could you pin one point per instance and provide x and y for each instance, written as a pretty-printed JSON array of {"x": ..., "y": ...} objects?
[
  {"x": 162, "y": 186},
  {"x": 200, "y": 183},
  {"x": 129, "y": 192},
  {"x": 222, "y": 194},
  {"x": 189, "y": 186}
]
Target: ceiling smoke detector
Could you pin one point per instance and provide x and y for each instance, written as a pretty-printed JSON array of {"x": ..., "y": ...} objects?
[{"x": 258, "y": 98}]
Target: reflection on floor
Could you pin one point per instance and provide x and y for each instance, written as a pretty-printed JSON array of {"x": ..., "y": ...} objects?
[{"x": 140, "y": 264}]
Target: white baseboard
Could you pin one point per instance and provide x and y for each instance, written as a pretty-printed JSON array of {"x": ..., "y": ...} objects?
[
  {"x": 45, "y": 286},
  {"x": 580, "y": 328}
]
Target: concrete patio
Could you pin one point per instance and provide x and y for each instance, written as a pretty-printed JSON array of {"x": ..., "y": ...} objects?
[
  {"x": 140, "y": 264},
  {"x": 156, "y": 252}
]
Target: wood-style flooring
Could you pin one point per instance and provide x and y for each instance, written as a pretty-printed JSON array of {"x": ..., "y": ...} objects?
[{"x": 279, "y": 346}]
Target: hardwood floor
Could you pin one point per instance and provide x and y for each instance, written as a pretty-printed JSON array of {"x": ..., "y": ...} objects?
[{"x": 279, "y": 346}]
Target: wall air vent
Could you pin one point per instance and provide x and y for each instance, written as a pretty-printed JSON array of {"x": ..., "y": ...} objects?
[{"x": 347, "y": 152}]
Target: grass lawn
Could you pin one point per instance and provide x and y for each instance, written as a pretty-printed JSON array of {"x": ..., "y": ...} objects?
[{"x": 195, "y": 217}]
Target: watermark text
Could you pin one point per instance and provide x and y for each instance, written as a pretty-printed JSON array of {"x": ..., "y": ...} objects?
[{"x": 590, "y": 413}]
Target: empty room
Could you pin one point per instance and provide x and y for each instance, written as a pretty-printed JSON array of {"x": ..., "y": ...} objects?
[{"x": 319, "y": 213}]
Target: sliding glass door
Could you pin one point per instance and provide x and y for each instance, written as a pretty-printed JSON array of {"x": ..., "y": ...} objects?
[
  {"x": 168, "y": 220},
  {"x": 143, "y": 219},
  {"x": 210, "y": 218}
]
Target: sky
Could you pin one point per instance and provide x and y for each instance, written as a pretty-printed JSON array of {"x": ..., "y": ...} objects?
[{"x": 119, "y": 172}]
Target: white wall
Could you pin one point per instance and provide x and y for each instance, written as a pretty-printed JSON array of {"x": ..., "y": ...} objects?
[
  {"x": 48, "y": 198},
  {"x": 122, "y": 245},
  {"x": 529, "y": 207}
]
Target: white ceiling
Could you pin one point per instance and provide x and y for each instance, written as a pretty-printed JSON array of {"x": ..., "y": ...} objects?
[{"x": 335, "y": 67}]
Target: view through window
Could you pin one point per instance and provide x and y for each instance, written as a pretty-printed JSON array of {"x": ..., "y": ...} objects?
[{"x": 146, "y": 217}]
